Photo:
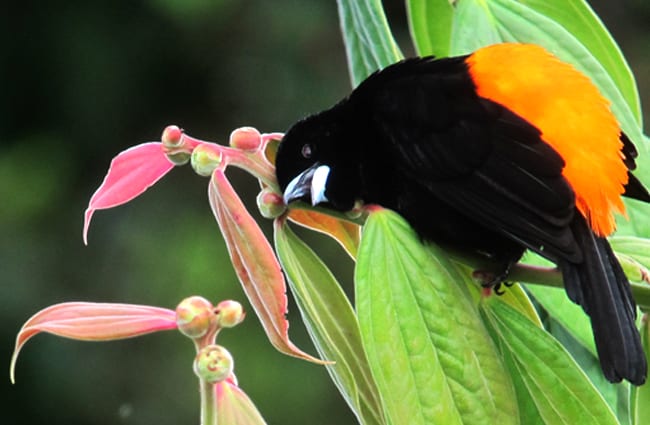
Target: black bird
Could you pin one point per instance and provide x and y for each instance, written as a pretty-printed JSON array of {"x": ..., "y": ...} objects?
[{"x": 492, "y": 153}]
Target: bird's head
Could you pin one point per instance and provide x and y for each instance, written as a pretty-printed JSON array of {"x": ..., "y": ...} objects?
[{"x": 314, "y": 164}]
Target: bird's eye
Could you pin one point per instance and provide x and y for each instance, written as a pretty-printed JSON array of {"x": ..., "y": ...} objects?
[{"x": 306, "y": 151}]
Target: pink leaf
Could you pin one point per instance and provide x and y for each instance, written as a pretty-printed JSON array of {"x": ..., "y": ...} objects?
[
  {"x": 131, "y": 172},
  {"x": 233, "y": 405},
  {"x": 255, "y": 264},
  {"x": 94, "y": 322}
]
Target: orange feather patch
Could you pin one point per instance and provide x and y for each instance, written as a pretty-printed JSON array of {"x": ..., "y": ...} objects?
[{"x": 572, "y": 115}]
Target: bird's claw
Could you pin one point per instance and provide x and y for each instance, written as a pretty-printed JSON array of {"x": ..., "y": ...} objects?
[
  {"x": 494, "y": 280},
  {"x": 498, "y": 288}
]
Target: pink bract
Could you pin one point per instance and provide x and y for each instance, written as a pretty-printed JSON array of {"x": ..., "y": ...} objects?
[
  {"x": 255, "y": 264},
  {"x": 95, "y": 322},
  {"x": 131, "y": 173},
  {"x": 234, "y": 406}
]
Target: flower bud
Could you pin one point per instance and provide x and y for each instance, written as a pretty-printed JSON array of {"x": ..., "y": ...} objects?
[
  {"x": 356, "y": 211},
  {"x": 179, "y": 158},
  {"x": 195, "y": 316},
  {"x": 246, "y": 138},
  {"x": 213, "y": 363},
  {"x": 229, "y": 313},
  {"x": 172, "y": 137},
  {"x": 205, "y": 160},
  {"x": 270, "y": 203}
]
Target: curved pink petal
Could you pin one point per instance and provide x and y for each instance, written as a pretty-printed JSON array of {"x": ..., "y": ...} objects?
[
  {"x": 255, "y": 264},
  {"x": 131, "y": 172},
  {"x": 94, "y": 322}
]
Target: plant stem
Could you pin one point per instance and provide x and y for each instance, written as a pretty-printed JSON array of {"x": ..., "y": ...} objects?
[
  {"x": 641, "y": 293},
  {"x": 254, "y": 163},
  {"x": 545, "y": 276},
  {"x": 207, "y": 390},
  {"x": 208, "y": 403},
  {"x": 536, "y": 275}
]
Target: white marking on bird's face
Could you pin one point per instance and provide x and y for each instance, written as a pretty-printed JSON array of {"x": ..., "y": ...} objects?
[{"x": 318, "y": 182}]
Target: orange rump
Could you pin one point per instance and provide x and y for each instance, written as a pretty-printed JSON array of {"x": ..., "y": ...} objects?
[{"x": 572, "y": 115}]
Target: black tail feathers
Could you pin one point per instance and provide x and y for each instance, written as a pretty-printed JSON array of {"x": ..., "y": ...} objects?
[{"x": 599, "y": 285}]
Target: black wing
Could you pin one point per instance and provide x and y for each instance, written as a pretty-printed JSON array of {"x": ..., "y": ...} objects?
[
  {"x": 475, "y": 156},
  {"x": 634, "y": 188}
]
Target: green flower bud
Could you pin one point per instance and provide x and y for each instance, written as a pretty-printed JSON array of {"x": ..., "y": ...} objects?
[
  {"x": 179, "y": 158},
  {"x": 356, "y": 211},
  {"x": 195, "y": 317},
  {"x": 213, "y": 363},
  {"x": 205, "y": 160},
  {"x": 270, "y": 203},
  {"x": 229, "y": 313}
]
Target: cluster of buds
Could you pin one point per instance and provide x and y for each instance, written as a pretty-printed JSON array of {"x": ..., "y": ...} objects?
[
  {"x": 200, "y": 321},
  {"x": 130, "y": 174},
  {"x": 195, "y": 317}
]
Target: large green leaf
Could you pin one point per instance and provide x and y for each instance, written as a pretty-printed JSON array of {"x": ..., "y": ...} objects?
[
  {"x": 617, "y": 396},
  {"x": 331, "y": 323},
  {"x": 430, "y": 24},
  {"x": 369, "y": 44},
  {"x": 473, "y": 28},
  {"x": 641, "y": 395},
  {"x": 636, "y": 248},
  {"x": 570, "y": 315},
  {"x": 634, "y": 255},
  {"x": 637, "y": 223},
  {"x": 577, "y": 17},
  {"x": 432, "y": 358},
  {"x": 559, "y": 391}
]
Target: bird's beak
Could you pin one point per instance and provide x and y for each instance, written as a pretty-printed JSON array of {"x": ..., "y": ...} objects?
[{"x": 309, "y": 182}]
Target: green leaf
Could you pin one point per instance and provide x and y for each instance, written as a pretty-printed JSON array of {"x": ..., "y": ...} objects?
[
  {"x": 516, "y": 297},
  {"x": 577, "y": 17},
  {"x": 616, "y": 395},
  {"x": 430, "y": 24},
  {"x": 369, "y": 44},
  {"x": 634, "y": 255},
  {"x": 528, "y": 411},
  {"x": 432, "y": 358},
  {"x": 558, "y": 389},
  {"x": 636, "y": 248},
  {"x": 473, "y": 28},
  {"x": 570, "y": 315},
  {"x": 638, "y": 212},
  {"x": 331, "y": 323},
  {"x": 640, "y": 398}
]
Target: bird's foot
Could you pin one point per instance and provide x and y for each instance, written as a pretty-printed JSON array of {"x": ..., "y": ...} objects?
[
  {"x": 499, "y": 287},
  {"x": 491, "y": 280}
]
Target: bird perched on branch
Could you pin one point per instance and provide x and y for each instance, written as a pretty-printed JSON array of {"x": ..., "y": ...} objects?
[{"x": 492, "y": 153}]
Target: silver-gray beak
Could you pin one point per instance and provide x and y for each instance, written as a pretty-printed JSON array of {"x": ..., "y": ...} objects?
[{"x": 310, "y": 182}]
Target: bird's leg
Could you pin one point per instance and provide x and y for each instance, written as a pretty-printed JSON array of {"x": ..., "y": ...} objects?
[{"x": 493, "y": 279}]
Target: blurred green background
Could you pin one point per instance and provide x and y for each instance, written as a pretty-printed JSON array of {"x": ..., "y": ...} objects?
[{"x": 81, "y": 81}]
